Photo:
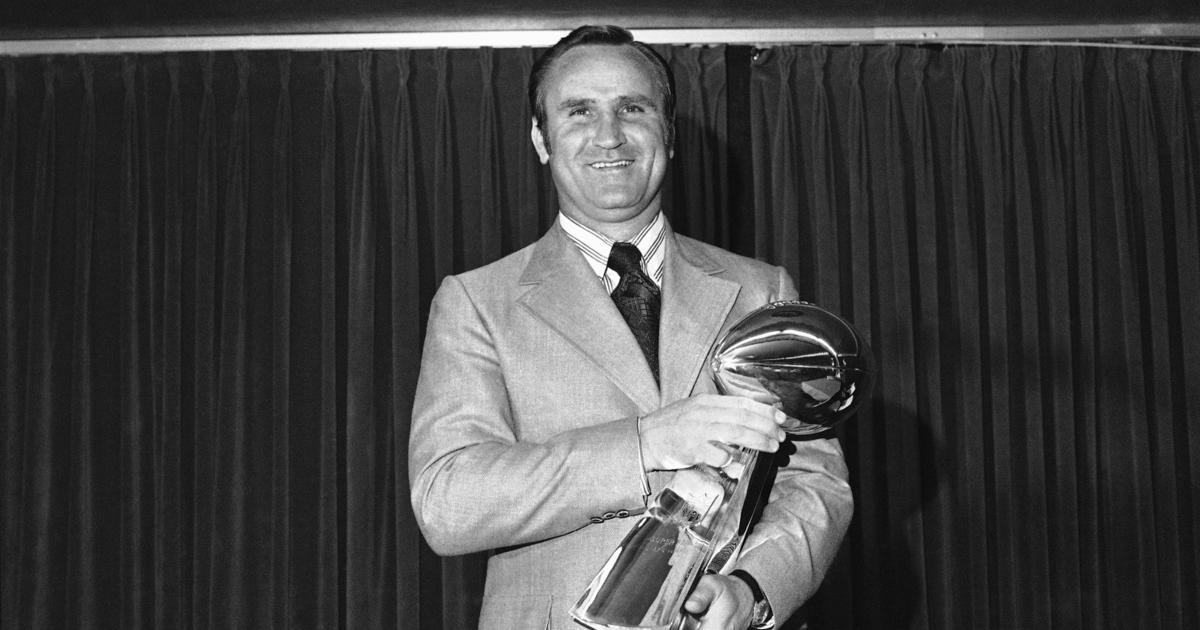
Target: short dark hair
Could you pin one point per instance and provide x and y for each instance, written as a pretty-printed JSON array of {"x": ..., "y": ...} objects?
[{"x": 604, "y": 35}]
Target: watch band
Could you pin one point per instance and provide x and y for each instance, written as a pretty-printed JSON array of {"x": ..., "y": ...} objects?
[{"x": 763, "y": 616}]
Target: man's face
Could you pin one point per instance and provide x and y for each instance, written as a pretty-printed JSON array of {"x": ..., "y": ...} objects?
[{"x": 604, "y": 138}]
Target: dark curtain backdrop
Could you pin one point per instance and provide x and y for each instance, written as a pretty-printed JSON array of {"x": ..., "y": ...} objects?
[{"x": 215, "y": 269}]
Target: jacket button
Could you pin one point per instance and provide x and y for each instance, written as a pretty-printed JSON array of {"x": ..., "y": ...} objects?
[
  {"x": 596, "y": 520},
  {"x": 608, "y": 515},
  {"x": 622, "y": 513}
]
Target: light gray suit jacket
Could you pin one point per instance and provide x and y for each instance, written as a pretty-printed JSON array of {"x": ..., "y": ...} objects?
[{"x": 524, "y": 427}]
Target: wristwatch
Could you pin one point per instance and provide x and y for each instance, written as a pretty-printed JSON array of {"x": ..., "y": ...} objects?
[{"x": 763, "y": 618}]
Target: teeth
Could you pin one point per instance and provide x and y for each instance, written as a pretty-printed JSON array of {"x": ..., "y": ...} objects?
[{"x": 614, "y": 164}]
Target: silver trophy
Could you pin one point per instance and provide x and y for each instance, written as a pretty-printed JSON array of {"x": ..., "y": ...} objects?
[{"x": 796, "y": 356}]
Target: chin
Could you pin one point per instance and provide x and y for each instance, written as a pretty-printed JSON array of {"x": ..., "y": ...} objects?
[
  {"x": 626, "y": 208},
  {"x": 630, "y": 204}
]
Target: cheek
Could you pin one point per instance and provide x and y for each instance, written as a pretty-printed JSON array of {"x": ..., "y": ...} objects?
[
  {"x": 650, "y": 136},
  {"x": 570, "y": 138}
]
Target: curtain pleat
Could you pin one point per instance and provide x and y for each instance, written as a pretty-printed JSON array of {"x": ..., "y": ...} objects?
[
  {"x": 11, "y": 361},
  {"x": 930, "y": 288},
  {"x": 233, "y": 585},
  {"x": 491, "y": 243},
  {"x": 1121, "y": 442},
  {"x": 996, "y": 309},
  {"x": 413, "y": 560},
  {"x": 533, "y": 190},
  {"x": 282, "y": 222},
  {"x": 359, "y": 466},
  {"x": 698, "y": 194},
  {"x": 891, "y": 325},
  {"x": 81, "y": 598},
  {"x": 972, "y": 396},
  {"x": 1181, "y": 131},
  {"x": 822, "y": 192},
  {"x": 1031, "y": 550},
  {"x": 446, "y": 231},
  {"x": 1147, "y": 238},
  {"x": 171, "y": 439},
  {"x": 1182, "y": 136},
  {"x": 1052, "y": 179},
  {"x": 203, "y": 331},
  {"x": 777, "y": 185},
  {"x": 216, "y": 269},
  {"x": 134, "y": 368},
  {"x": 39, "y": 495},
  {"x": 1084, "y": 307},
  {"x": 329, "y": 606},
  {"x": 864, "y": 540}
]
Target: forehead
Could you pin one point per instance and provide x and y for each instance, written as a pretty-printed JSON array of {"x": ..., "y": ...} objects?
[{"x": 600, "y": 71}]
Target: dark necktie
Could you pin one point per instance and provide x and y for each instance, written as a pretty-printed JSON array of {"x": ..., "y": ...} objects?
[{"x": 638, "y": 299}]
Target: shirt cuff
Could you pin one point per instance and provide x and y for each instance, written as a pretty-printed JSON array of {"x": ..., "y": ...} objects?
[
  {"x": 642, "y": 464},
  {"x": 763, "y": 617}
]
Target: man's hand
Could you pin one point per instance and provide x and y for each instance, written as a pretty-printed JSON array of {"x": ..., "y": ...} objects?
[
  {"x": 721, "y": 602},
  {"x": 705, "y": 429}
]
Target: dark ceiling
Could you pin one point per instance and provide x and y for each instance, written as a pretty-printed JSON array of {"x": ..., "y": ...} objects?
[{"x": 22, "y": 19}]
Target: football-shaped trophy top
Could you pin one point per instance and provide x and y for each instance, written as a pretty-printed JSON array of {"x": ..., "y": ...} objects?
[{"x": 799, "y": 357}]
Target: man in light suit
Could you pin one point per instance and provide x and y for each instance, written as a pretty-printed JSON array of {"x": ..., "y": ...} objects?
[{"x": 541, "y": 422}]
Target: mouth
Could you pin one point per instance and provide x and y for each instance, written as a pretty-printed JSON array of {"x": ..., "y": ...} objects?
[{"x": 611, "y": 164}]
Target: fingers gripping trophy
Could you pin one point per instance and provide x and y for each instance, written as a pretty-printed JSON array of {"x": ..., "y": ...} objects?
[{"x": 794, "y": 355}]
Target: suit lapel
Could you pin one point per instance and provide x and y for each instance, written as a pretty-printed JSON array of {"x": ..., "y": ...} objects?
[
  {"x": 569, "y": 297},
  {"x": 696, "y": 304}
]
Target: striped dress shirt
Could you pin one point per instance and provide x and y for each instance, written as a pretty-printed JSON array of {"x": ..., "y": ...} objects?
[{"x": 595, "y": 248}]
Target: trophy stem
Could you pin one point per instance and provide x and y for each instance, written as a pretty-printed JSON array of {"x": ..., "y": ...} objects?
[{"x": 693, "y": 525}]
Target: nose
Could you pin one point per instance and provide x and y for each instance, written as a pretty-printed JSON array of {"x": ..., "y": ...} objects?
[{"x": 610, "y": 134}]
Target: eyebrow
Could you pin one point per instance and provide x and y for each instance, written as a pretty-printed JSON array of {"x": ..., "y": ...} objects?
[
  {"x": 572, "y": 103},
  {"x": 636, "y": 99}
]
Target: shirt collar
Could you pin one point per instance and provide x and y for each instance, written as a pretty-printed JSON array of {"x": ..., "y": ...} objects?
[{"x": 595, "y": 248}]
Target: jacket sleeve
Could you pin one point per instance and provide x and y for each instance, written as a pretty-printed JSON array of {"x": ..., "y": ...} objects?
[
  {"x": 474, "y": 485},
  {"x": 792, "y": 546}
]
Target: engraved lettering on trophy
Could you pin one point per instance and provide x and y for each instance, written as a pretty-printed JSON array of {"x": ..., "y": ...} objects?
[{"x": 661, "y": 544}]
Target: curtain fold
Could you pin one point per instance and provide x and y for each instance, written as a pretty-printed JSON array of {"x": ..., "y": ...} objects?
[
  {"x": 170, "y": 440},
  {"x": 362, "y": 413},
  {"x": 698, "y": 193},
  {"x": 81, "y": 522},
  {"x": 329, "y": 448},
  {"x": 928, "y": 223},
  {"x": 1054, "y": 217},
  {"x": 41, "y": 437},
  {"x": 216, "y": 269},
  {"x": 965, "y": 305},
  {"x": 11, "y": 416},
  {"x": 490, "y": 245},
  {"x": 414, "y": 562},
  {"x": 282, "y": 222}
]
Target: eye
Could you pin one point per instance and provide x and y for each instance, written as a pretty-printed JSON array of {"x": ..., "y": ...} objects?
[
  {"x": 579, "y": 111},
  {"x": 633, "y": 108}
]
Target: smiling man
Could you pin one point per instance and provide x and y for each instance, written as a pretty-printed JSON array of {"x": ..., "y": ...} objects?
[
  {"x": 603, "y": 128},
  {"x": 565, "y": 383}
]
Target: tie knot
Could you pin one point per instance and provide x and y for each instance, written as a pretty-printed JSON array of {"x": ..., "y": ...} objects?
[{"x": 625, "y": 258}]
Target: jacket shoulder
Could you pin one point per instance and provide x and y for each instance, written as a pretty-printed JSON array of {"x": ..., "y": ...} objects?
[
  {"x": 717, "y": 258},
  {"x": 503, "y": 272}
]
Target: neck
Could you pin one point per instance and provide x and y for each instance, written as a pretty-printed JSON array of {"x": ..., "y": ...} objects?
[{"x": 621, "y": 231}]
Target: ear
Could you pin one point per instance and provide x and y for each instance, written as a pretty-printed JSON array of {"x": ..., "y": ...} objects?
[
  {"x": 670, "y": 133},
  {"x": 539, "y": 142}
]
